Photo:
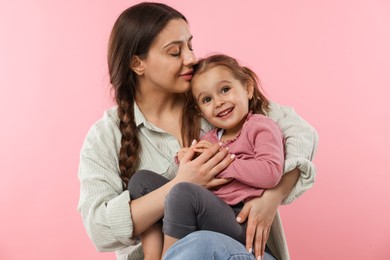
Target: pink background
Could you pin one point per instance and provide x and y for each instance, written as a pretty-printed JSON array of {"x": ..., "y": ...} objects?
[{"x": 327, "y": 59}]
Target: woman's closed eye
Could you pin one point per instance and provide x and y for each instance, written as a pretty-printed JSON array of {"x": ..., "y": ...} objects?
[{"x": 175, "y": 54}]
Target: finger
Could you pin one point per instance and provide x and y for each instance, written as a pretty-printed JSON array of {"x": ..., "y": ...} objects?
[
  {"x": 194, "y": 142},
  {"x": 209, "y": 153},
  {"x": 218, "y": 182},
  {"x": 259, "y": 241},
  {"x": 219, "y": 165},
  {"x": 250, "y": 234},
  {"x": 244, "y": 213},
  {"x": 199, "y": 150},
  {"x": 205, "y": 143},
  {"x": 187, "y": 156},
  {"x": 201, "y": 145},
  {"x": 265, "y": 239}
]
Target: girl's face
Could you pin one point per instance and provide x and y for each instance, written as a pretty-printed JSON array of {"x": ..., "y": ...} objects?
[
  {"x": 222, "y": 99},
  {"x": 168, "y": 65}
]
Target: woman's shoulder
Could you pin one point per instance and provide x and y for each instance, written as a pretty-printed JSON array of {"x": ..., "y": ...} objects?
[
  {"x": 108, "y": 120},
  {"x": 107, "y": 127}
]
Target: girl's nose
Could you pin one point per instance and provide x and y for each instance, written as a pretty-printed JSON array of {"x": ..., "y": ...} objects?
[{"x": 219, "y": 102}]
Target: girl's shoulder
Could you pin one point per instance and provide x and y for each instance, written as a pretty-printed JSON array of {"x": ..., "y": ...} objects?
[{"x": 256, "y": 122}]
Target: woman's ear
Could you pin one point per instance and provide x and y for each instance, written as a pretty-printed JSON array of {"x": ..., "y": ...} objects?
[
  {"x": 249, "y": 89},
  {"x": 137, "y": 65}
]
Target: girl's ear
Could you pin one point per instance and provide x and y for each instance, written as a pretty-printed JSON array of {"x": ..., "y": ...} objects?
[
  {"x": 137, "y": 65},
  {"x": 249, "y": 89}
]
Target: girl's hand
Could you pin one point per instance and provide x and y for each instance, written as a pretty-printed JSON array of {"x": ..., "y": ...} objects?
[
  {"x": 203, "y": 169},
  {"x": 201, "y": 146},
  {"x": 260, "y": 213},
  {"x": 182, "y": 152}
]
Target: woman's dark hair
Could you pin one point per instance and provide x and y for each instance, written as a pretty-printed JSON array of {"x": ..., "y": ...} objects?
[
  {"x": 191, "y": 115},
  {"x": 133, "y": 33}
]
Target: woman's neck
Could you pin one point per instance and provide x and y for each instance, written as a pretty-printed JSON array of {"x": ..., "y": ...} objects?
[
  {"x": 156, "y": 105},
  {"x": 163, "y": 111}
]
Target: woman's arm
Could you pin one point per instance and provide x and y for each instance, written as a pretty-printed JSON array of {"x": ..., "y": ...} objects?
[
  {"x": 301, "y": 144},
  {"x": 104, "y": 206},
  {"x": 201, "y": 171}
]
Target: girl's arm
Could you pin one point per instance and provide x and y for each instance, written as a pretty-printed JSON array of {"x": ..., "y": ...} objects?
[
  {"x": 260, "y": 165},
  {"x": 301, "y": 144}
]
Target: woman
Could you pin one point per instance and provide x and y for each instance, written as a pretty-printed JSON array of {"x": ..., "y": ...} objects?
[{"x": 150, "y": 62}]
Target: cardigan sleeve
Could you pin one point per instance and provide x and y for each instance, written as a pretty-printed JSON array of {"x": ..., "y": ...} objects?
[
  {"x": 260, "y": 165},
  {"x": 103, "y": 204},
  {"x": 300, "y": 145}
]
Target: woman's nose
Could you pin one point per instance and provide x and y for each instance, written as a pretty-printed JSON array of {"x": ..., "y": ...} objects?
[{"x": 189, "y": 58}]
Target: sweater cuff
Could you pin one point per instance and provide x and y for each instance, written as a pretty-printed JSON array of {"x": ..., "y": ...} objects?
[
  {"x": 306, "y": 179},
  {"x": 119, "y": 219}
]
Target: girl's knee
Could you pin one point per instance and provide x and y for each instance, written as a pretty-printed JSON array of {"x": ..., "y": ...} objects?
[
  {"x": 183, "y": 190},
  {"x": 141, "y": 183}
]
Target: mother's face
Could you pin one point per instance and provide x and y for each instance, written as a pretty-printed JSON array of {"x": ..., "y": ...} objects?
[{"x": 168, "y": 65}]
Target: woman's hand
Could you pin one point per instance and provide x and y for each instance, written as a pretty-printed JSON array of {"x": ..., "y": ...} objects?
[
  {"x": 261, "y": 212},
  {"x": 203, "y": 169}
]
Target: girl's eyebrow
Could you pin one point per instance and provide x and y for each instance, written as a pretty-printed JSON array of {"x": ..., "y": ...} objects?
[
  {"x": 200, "y": 94},
  {"x": 177, "y": 42},
  {"x": 224, "y": 81}
]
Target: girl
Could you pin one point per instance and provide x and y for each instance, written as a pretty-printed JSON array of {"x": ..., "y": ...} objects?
[{"x": 228, "y": 97}]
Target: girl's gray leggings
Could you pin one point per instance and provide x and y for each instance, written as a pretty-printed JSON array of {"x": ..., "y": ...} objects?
[{"x": 190, "y": 207}]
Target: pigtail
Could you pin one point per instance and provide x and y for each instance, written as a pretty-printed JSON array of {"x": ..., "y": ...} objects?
[{"x": 259, "y": 103}]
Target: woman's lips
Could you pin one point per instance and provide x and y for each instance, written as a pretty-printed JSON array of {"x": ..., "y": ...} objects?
[{"x": 187, "y": 75}]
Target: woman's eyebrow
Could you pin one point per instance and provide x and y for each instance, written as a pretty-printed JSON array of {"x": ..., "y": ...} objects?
[{"x": 177, "y": 42}]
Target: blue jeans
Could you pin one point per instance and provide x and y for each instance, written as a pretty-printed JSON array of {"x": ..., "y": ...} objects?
[{"x": 209, "y": 245}]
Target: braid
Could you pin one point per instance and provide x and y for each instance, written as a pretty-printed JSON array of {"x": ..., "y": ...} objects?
[
  {"x": 132, "y": 35},
  {"x": 130, "y": 146}
]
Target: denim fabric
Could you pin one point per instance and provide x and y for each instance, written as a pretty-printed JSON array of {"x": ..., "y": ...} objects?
[{"x": 202, "y": 245}]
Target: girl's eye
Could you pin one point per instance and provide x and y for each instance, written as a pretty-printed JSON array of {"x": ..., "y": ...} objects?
[
  {"x": 225, "y": 89},
  {"x": 206, "y": 100}
]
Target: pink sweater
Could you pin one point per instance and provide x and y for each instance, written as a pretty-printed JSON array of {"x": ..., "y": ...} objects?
[{"x": 259, "y": 150}]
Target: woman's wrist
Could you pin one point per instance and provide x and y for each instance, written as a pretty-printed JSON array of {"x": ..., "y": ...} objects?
[{"x": 284, "y": 187}]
